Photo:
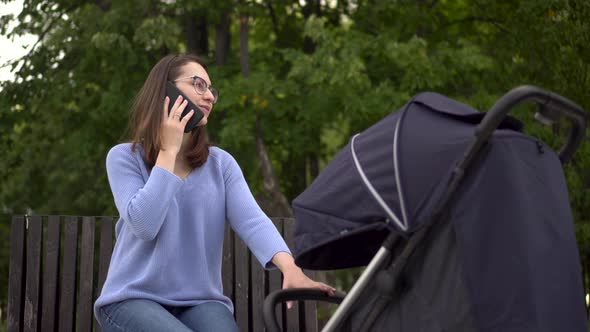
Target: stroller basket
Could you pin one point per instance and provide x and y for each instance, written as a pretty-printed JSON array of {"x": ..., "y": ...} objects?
[{"x": 462, "y": 220}]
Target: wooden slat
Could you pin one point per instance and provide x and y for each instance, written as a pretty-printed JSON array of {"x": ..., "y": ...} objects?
[
  {"x": 32, "y": 288},
  {"x": 16, "y": 273},
  {"x": 106, "y": 250},
  {"x": 293, "y": 313},
  {"x": 104, "y": 258},
  {"x": 227, "y": 269},
  {"x": 68, "y": 277},
  {"x": 50, "y": 274},
  {"x": 85, "y": 296},
  {"x": 257, "y": 291},
  {"x": 275, "y": 281},
  {"x": 309, "y": 309},
  {"x": 241, "y": 284}
]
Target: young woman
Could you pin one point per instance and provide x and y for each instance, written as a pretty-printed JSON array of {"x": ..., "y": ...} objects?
[{"x": 174, "y": 194}]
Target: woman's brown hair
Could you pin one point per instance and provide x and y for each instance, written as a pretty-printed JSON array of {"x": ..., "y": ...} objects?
[{"x": 146, "y": 113}]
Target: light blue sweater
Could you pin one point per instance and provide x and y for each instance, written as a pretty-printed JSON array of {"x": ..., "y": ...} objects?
[{"x": 170, "y": 233}]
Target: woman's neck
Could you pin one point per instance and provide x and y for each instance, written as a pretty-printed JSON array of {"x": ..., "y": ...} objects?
[{"x": 181, "y": 166}]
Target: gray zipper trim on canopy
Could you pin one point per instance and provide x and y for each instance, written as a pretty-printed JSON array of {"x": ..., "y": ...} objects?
[
  {"x": 401, "y": 224},
  {"x": 396, "y": 168}
]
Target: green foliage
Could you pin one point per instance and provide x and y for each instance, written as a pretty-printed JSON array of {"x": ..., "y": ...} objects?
[{"x": 318, "y": 75}]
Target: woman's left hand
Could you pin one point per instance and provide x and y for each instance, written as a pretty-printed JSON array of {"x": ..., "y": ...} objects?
[{"x": 293, "y": 276}]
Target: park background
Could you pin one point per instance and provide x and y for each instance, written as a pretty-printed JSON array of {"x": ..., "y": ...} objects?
[{"x": 297, "y": 79}]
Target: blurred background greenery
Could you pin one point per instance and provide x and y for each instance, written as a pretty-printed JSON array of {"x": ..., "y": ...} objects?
[{"x": 297, "y": 79}]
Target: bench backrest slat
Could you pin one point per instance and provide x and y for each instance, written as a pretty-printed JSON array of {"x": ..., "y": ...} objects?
[
  {"x": 16, "y": 274},
  {"x": 33, "y": 271},
  {"x": 258, "y": 286},
  {"x": 241, "y": 285},
  {"x": 50, "y": 275},
  {"x": 275, "y": 280},
  {"x": 293, "y": 313},
  {"x": 67, "y": 299},
  {"x": 227, "y": 268},
  {"x": 105, "y": 251},
  {"x": 58, "y": 266},
  {"x": 86, "y": 299},
  {"x": 310, "y": 313}
]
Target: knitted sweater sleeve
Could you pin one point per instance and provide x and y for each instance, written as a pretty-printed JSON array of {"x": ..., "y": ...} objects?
[
  {"x": 247, "y": 218},
  {"x": 141, "y": 204}
]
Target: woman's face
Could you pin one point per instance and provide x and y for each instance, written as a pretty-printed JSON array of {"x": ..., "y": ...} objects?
[{"x": 186, "y": 84}]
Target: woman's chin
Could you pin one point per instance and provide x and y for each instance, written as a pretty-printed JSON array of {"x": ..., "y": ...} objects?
[{"x": 202, "y": 122}]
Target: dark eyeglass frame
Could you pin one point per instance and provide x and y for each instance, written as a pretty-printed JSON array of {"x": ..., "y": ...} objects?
[{"x": 196, "y": 79}]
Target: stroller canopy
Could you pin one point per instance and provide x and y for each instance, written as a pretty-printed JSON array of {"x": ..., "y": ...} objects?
[
  {"x": 390, "y": 175},
  {"x": 514, "y": 255}
]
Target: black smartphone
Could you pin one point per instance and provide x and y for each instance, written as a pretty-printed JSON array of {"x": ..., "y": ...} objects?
[{"x": 173, "y": 92}]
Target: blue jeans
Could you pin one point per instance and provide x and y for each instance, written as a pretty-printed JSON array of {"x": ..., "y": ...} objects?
[{"x": 146, "y": 315}]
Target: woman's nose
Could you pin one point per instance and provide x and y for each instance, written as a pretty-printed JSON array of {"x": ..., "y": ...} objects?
[{"x": 209, "y": 96}]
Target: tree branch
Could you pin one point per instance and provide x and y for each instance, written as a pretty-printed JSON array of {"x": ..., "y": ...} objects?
[
  {"x": 273, "y": 17},
  {"x": 270, "y": 181},
  {"x": 493, "y": 21},
  {"x": 28, "y": 56}
]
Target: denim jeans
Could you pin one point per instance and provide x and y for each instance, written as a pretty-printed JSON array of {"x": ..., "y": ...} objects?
[{"x": 145, "y": 315}]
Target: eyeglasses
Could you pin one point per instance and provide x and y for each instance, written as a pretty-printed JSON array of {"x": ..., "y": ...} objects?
[{"x": 201, "y": 86}]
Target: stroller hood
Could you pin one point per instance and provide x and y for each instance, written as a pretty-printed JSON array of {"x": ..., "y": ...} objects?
[
  {"x": 503, "y": 254},
  {"x": 389, "y": 172}
]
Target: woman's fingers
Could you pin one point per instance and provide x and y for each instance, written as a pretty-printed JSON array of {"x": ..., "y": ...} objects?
[
  {"x": 177, "y": 113},
  {"x": 316, "y": 284},
  {"x": 187, "y": 117},
  {"x": 177, "y": 107},
  {"x": 165, "y": 108},
  {"x": 321, "y": 286},
  {"x": 173, "y": 124},
  {"x": 326, "y": 288},
  {"x": 174, "y": 106}
]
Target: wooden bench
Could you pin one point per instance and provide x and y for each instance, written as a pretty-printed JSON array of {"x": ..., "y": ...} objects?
[{"x": 58, "y": 265}]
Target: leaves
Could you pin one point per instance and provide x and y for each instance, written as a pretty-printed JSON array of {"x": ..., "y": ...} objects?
[
  {"x": 318, "y": 75},
  {"x": 154, "y": 33}
]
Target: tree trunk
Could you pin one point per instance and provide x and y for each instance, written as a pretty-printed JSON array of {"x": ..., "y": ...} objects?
[
  {"x": 197, "y": 41},
  {"x": 311, "y": 7},
  {"x": 244, "y": 51},
  {"x": 222, "y": 39},
  {"x": 104, "y": 5},
  {"x": 279, "y": 206},
  {"x": 222, "y": 49},
  {"x": 314, "y": 166}
]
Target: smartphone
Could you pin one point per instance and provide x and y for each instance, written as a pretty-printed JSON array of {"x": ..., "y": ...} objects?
[{"x": 173, "y": 92}]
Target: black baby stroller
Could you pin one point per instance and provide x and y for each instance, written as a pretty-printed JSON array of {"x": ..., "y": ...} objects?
[{"x": 464, "y": 222}]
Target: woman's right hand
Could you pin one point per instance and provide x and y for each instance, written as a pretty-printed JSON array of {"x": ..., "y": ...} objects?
[{"x": 172, "y": 129}]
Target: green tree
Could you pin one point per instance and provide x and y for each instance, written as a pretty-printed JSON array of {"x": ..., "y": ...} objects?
[{"x": 296, "y": 79}]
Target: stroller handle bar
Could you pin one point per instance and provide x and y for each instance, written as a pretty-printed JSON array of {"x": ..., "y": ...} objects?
[
  {"x": 552, "y": 102},
  {"x": 284, "y": 295}
]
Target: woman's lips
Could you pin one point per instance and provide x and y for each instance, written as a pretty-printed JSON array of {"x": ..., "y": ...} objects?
[{"x": 206, "y": 110}]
